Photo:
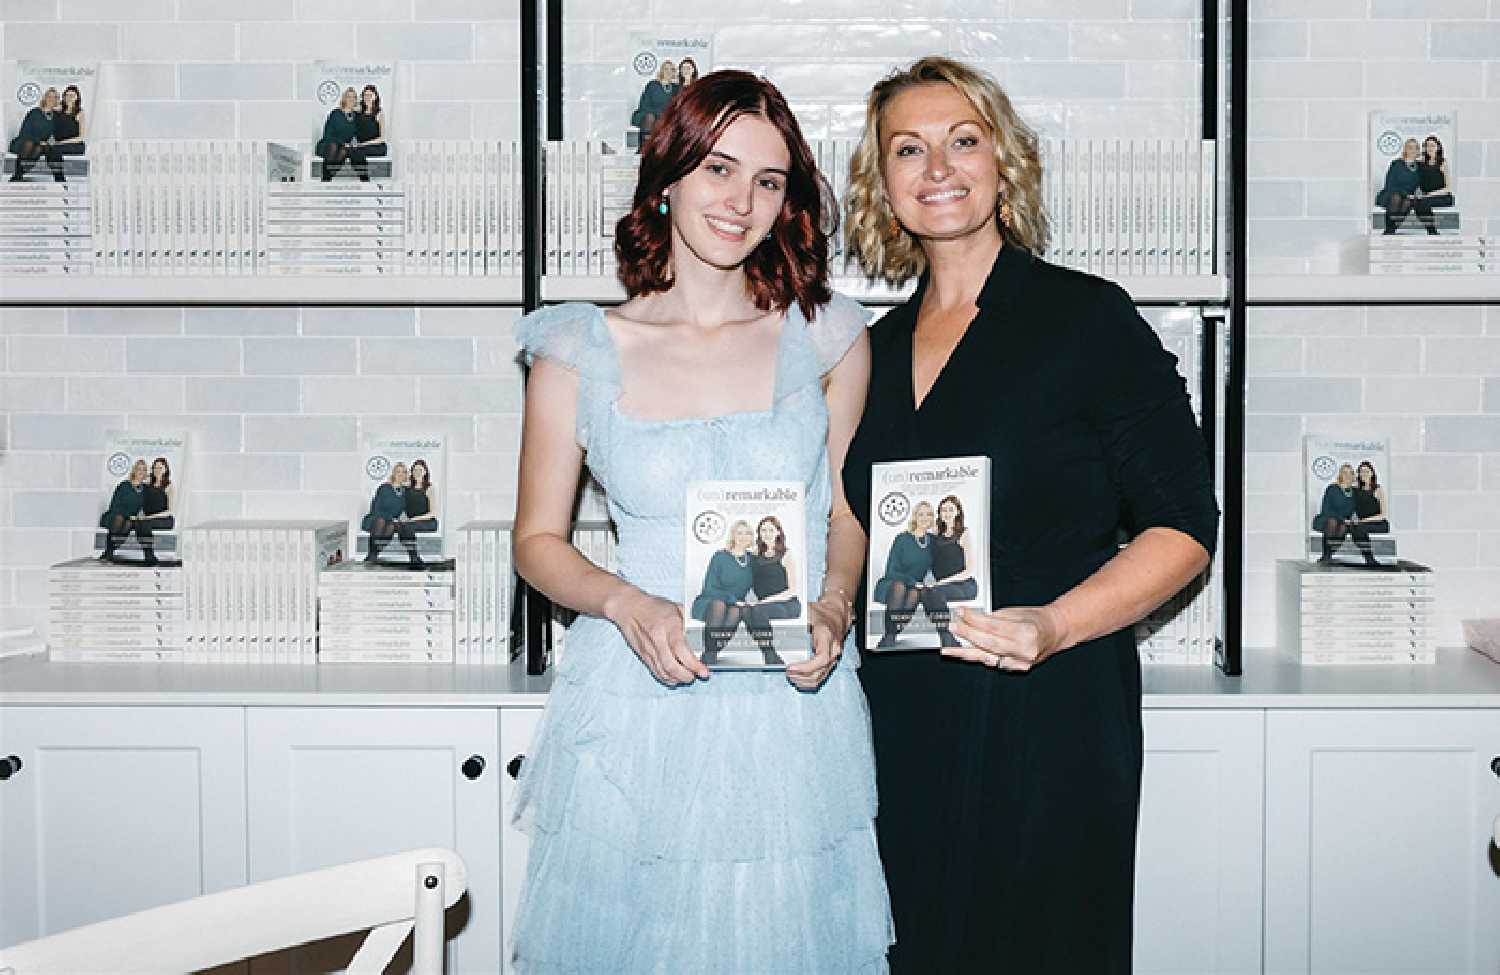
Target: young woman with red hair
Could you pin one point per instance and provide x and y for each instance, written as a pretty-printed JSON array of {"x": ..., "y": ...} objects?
[{"x": 680, "y": 822}]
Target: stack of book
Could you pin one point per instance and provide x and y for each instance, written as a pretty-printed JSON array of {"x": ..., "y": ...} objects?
[
  {"x": 1333, "y": 614},
  {"x": 343, "y": 227},
  {"x": 252, "y": 588},
  {"x": 463, "y": 207},
  {"x": 1411, "y": 250},
  {"x": 98, "y": 611},
  {"x": 485, "y": 592},
  {"x": 1184, "y": 629},
  {"x": 46, "y": 226},
  {"x": 374, "y": 613}
]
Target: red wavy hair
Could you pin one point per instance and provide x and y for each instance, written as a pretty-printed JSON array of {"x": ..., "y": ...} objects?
[{"x": 793, "y": 264}]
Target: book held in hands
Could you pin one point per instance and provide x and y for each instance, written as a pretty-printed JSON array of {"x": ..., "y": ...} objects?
[
  {"x": 929, "y": 550},
  {"x": 745, "y": 574}
]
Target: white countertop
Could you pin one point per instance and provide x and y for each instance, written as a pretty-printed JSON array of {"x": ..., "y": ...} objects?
[{"x": 1460, "y": 679}]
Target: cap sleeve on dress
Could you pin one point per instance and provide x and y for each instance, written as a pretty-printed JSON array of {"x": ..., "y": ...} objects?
[
  {"x": 572, "y": 335},
  {"x": 834, "y": 329}
]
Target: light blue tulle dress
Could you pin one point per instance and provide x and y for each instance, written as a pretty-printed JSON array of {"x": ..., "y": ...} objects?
[{"x": 725, "y": 826}]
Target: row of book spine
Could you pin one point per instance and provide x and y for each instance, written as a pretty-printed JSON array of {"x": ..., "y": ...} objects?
[
  {"x": 1433, "y": 254},
  {"x": 1352, "y": 615},
  {"x": 483, "y": 591},
  {"x": 1184, "y": 629},
  {"x": 46, "y": 226},
  {"x": 252, "y": 588},
  {"x": 373, "y": 613},
  {"x": 100, "y": 612}
]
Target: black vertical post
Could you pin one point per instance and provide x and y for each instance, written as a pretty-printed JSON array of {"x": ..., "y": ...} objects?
[{"x": 1231, "y": 659}]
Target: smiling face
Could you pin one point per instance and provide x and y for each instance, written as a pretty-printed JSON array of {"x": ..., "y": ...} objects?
[
  {"x": 741, "y": 537},
  {"x": 687, "y": 72},
  {"x": 49, "y": 100},
  {"x": 723, "y": 209},
  {"x": 368, "y": 97},
  {"x": 922, "y": 518},
  {"x": 667, "y": 73},
  {"x": 769, "y": 533},
  {"x": 399, "y": 477},
  {"x": 938, "y": 164},
  {"x": 348, "y": 100},
  {"x": 138, "y": 471},
  {"x": 948, "y": 512},
  {"x": 158, "y": 470},
  {"x": 1366, "y": 474},
  {"x": 69, "y": 97},
  {"x": 418, "y": 473},
  {"x": 1346, "y": 476},
  {"x": 1410, "y": 150}
]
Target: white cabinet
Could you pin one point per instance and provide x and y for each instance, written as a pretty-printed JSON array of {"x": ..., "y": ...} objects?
[
  {"x": 517, "y": 729},
  {"x": 116, "y": 810},
  {"x": 329, "y": 785},
  {"x": 1379, "y": 858},
  {"x": 1198, "y": 855}
]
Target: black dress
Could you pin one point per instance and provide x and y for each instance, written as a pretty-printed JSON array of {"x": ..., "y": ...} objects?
[{"x": 1008, "y": 801}]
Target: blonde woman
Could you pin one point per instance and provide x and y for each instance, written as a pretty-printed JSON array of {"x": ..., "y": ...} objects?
[
  {"x": 336, "y": 146},
  {"x": 38, "y": 130},
  {"x": 1009, "y": 770},
  {"x": 654, "y": 98},
  {"x": 907, "y": 566},
  {"x": 1337, "y": 513}
]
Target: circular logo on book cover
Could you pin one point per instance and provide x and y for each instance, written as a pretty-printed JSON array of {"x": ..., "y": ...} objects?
[
  {"x": 29, "y": 93},
  {"x": 118, "y": 463},
  {"x": 1324, "y": 467},
  {"x": 644, "y": 63},
  {"x": 708, "y": 527},
  {"x": 1389, "y": 142},
  {"x": 329, "y": 92},
  {"x": 378, "y": 468},
  {"x": 894, "y": 508}
]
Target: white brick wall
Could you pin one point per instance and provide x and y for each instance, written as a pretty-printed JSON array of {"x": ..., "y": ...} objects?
[{"x": 275, "y": 399}]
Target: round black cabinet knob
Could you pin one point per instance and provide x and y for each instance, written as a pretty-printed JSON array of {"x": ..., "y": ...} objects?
[
  {"x": 513, "y": 767},
  {"x": 9, "y": 765},
  {"x": 1495, "y": 765},
  {"x": 473, "y": 766}
]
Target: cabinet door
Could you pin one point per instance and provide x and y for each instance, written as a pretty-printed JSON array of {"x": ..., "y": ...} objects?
[
  {"x": 1198, "y": 854},
  {"x": 1378, "y": 857},
  {"x": 517, "y": 727},
  {"x": 332, "y": 785},
  {"x": 115, "y": 810}
]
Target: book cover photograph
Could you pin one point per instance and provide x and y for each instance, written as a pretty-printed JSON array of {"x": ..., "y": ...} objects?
[
  {"x": 929, "y": 550},
  {"x": 352, "y": 131},
  {"x": 745, "y": 574},
  {"x": 46, "y": 118},
  {"x": 1346, "y": 493},
  {"x": 1411, "y": 173},
  {"x": 142, "y": 497},
  {"x": 404, "y": 478},
  {"x": 662, "y": 63}
]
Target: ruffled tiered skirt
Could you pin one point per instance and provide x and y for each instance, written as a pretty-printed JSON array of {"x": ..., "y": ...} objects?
[{"x": 723, "y": 827}]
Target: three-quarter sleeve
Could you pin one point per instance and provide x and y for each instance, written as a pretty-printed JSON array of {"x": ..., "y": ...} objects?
[{"x": 1139, "y": 406}]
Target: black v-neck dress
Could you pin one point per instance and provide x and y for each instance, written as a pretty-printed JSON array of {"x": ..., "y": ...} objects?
[{"x": 1008, "y": 801}]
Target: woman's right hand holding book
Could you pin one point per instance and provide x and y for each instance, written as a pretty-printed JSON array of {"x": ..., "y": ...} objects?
[{"x": 653, "y": 628}]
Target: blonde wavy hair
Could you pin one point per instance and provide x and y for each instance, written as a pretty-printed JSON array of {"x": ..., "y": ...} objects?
[{"x": 885, "y": 248}]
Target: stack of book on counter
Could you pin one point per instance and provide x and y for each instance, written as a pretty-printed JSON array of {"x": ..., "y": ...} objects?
[
  {"x": 252, "y": 588},
  {"x": 369, "y": 612},
  {"x": 1335, "y": 614},
  {"x": 46, "y": 226},
  {"x": 1184, "y": 629},
  {"x": 1411, "y": 251},
  {"x": 344, "y": 227},
  {"x": 99, "y": 611},
  {"x": 485, "y": 590}
]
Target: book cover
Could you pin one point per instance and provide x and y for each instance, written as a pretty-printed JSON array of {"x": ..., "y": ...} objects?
[
  {"x": 1346, "y": 492},
  {"x": 745, "y": 574},
  {"x": 1411, "y": 171},
  {"x": 142, "y": 496},
  {"x": 403, "y": 477},
  {"x": 661, "y": 64},
  {"x": 929, "y": 550}
]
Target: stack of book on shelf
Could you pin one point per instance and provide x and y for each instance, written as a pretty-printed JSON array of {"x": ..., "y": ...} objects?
[
  {"x": 100, "y": 611},
  {"x": 1413, "y": 251},
  {"x": 463, "y": 207},
  {"x": 252, "y": 588},
  {"x": 1184, "y": 629},
  {"x": 46, "y": 226},
  {"x": 343, "y": 227},
  {"x": 484, "y": 593},
  {"x": 1335, "y": 614},
  {"x": 369, "y": 612}
]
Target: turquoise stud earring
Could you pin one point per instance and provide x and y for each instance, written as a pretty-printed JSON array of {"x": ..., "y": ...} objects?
[{"x": 661, "y": 207}]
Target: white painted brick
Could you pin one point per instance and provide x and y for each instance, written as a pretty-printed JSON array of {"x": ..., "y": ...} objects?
[
  {"x": 1339, "y": 119},
  {"x": 1124, "y": 41},
  {"x": 1278, "y": 39},
  {"x": 1305, "y": 79},
  {"x": 1444, "y": 550},
  {"x": 1425, "y": 320},
  {"x": 31, "y": 321},
  {"x": 1402, "y": 431},
  {"x": 240, "y": 321},
  {"x": 1447, "y": 395},
  {"x": 1489, "y": 467},
  {"x": 241, "y": 395},
  {"x": 178, "y": 120},
  {"x": 307, "y": 504},
  {"x": 1267, "y": 473},
  {"x": 242, "y": 472},
  {"x": 237, "y": 82},
  {"x": 468, "y": 396},
  {"x": 1267, "y": 394},
  {"x": 33, "y": 470},
  {"x": 358, "y": 320},
  {"x": 107, "y": 10},
  {"x": 1066, "y": 79},
  {"x": 1435, "y": 472},
  {"x": 354, "y": 11},
  {"x": 278, "y": 434},
  {"x": 461, "y": 10},
  {"x": 1492, "y": 395},
  {"x": 415, "y": 42},
  {"x": 447, "y": 81},
  {"x": 82, "y": 42},
  {"x": 84, "y": 471},
  {"x": 1272, "y": 266},
  {"x": 1165, "y": 9},
  {"x": 1423, "y": 79},
  {"x": 498, "y": 120},
  {"x": 1463, "y": 434},
  {"x": 437, "y": 120},
  {"x": 1274, "y": 198},
  {"x": 1274, "y": 356},
  {"x": 1371, "y": 40},
  {"x": 30, "y": 393},
  {"x": 1489, "y": 549},
  {"x": 414, "y": 357},
  {"x": 809, "y": 80},
  {"x": 300, "y": 357},
  {"x": 125, "y": 321},
  {"x": 1310, "y": 9},
  {"x": 55, "y": 509},
  {"x": 1012, "y": 41},
  {"x": 459, "y": 430},
  {"x": 206, "y": 431},
  {"x": 1315, "y": 321},
  {"x": 1368, "y": 357},
  {"x": 1463, "y": 356},
  {"x": 102, "y": 393},
  {"x": 496, "y": 505},
  {"x": 1305, "y": 158},
  {"x": 331, "y": 471},
  {"x": 166, "y": 41},
  {"x": 33, "y": 546},
  {"x": 497, "y": 357},
  {"x": 56, "y": 431},
  {"x": 497, "y": 41},
  {"x": 182, "y": 355},
  {"x": 280, "y": 40},
  {"x": 1069, "y": 9},
  {"x": 358, "y": 394},
  {"x": 501, "y": 433},
  {"x": 131, "y": 81},
  {"x": 1277, "y": 119},
  {"x": 1273, "y": 512},
  {"x": 454, "y": 321},
  {"x": 1264, "y": 548},
  {"x": 1160, "y": 79},
  {"x": 1458, "y": 510},
  {"x": 286, "y": 121},
  {"x": 790, "y": 10},
  {"x": 15, "y": 11},
  {"x": 234, "y": 10},
  {"x": 49, "y": 354},
  {"x": 1444, "y": 9},
  {"x": 1335, "y": 197},
  {"x": 1315, "y": 239}
]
